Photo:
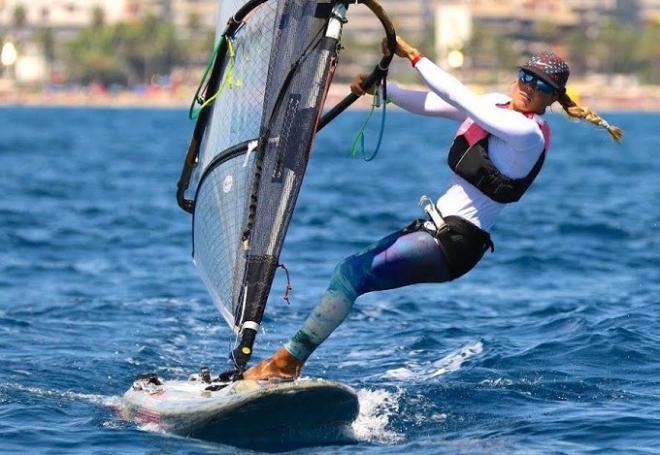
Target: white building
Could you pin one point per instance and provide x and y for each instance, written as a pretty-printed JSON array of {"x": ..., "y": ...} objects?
[
  {"x": 453, "y": 30},
  {"x": 65, "y": 18},
  {"x": 650, "y": 10},
  {"x": 455, "y": 22},
  {"x": 75, "y": 14}
]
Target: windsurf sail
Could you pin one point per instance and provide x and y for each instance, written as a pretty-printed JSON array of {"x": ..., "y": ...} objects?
[{"x": 260, "y": 109}]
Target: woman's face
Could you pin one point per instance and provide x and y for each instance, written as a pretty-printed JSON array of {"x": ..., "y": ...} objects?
[{"x": 525, "y": 97}]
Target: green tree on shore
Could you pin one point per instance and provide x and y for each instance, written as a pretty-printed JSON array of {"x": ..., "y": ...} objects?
[
  {"x": 579, "y": 48},
  {"x": 98, "y": 17},
  {"x": 19, "y": 16},
  {"x": 123, "y": 54},
  {"x": 614, "y": 48},
  {"x": 489, "y": 48},
  {"x": 46, "y": 41},
  {"x": 546, "y": 31},
  {"x": 132, "y": 53},
  {"x": 156, "y": 48},
  {"x": 93, "y": 57},
  {"x": 648, "y": 53}
]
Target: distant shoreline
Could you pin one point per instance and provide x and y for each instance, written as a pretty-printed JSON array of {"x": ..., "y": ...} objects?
[{"x": 618, "y": 99}]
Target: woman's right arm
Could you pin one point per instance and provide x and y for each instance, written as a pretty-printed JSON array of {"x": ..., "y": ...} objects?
[{"x": 414, "y": 101}]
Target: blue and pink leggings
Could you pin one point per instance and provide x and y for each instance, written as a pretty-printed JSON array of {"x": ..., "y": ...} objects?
[{"x": 397, "y": 260}]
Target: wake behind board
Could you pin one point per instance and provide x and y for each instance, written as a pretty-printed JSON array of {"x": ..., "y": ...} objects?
[{"x": 241, "y": 411}]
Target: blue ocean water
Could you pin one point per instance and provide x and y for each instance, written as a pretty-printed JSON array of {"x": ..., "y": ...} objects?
[{"x": 550, "y": 345}]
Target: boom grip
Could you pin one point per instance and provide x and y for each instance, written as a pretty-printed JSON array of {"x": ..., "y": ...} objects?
[{"x": 378, "y": 73}]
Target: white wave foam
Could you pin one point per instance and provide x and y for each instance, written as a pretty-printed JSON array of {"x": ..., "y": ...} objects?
[
  {"x": 104, "y": 400},
  {"x": 506, "y": 382},
  {"x": 453, "y": 361},
  {"x": 438, "y": 417},
  {"x": 497, "y": 382},
  {"x": 376, "y": 409},
  {"x": 151, "y": 428},
  {"x": 399, "y": 373},
  {"x": 115, "y": 424},
  {"x": 448, "y": 364}
]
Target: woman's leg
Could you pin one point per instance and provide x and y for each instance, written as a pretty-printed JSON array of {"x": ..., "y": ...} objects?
[
  {"x": 398, "y": 260},
  {"x": 395, "y": 261}
]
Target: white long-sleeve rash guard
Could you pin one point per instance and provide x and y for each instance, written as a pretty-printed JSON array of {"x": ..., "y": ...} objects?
[{"x": 515, "y": 144}]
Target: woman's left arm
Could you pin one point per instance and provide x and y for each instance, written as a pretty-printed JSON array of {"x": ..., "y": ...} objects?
[{"x": 422, "y": 102}]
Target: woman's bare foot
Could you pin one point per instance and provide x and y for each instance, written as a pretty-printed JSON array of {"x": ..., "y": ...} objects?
[{"x": 280, "y": 365}]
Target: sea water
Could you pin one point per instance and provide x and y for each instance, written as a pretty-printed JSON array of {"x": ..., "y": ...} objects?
[{"x": 551, "y": 345}]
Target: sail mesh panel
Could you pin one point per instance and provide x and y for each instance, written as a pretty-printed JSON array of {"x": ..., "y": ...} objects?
[
  {"x": 218, "y": 223},
  {"x": 253, "y": 193},
  {"x": 238, "y": 111}
]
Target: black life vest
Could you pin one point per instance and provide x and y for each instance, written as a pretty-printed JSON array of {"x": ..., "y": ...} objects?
[{"x": 469, "y": 158}]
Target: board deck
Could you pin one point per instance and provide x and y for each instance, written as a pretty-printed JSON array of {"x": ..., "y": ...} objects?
[{"x": 241, "y": 409}]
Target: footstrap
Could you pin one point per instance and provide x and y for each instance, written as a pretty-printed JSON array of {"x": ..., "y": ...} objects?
[{"x": 230, "y": 376}]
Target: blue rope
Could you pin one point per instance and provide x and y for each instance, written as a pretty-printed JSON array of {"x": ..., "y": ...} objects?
[{"x": 359, "y": 139}]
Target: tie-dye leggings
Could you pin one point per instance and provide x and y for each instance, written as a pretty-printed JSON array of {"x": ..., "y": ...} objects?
[{"x": 397, "y": 260}]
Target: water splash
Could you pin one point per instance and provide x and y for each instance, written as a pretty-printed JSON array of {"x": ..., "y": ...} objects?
[{"x": 376, "y": 409}]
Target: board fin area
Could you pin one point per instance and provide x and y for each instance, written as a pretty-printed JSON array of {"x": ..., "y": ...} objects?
[{"x": 245, "y": 413}]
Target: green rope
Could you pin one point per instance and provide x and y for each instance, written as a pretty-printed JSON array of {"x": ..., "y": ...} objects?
[
  {"x": 196, "y": 99},
  {"x": 359, "y": 138},
  {"x": 228, "y": 80}
]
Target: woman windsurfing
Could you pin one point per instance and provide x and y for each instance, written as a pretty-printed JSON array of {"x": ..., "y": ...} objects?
[{"x": 499, "y": 149}]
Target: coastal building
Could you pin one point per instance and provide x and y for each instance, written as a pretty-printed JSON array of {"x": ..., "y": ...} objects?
[
  {"x": 191, "y": 16},
  {"x": 453, "y": 30},
  {"x": 650, "y": 11},
  {"x": 412, "y": 19},
  {"x": 445, "y": 30},
  {"x": 496, "y": 33},
  {"x": 592, "y": 12},
  {"x": 67, "y": 15},
  {"x": 27, "y": 24}
]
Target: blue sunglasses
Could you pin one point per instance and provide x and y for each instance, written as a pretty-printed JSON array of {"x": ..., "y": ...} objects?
[{"x": 536, "y": 83}]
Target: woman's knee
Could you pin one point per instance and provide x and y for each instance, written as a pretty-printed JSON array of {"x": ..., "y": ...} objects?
[{"x": 347, "y": 276}]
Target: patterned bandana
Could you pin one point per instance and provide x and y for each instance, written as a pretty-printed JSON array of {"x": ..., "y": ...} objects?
[{"x": 549, "y": 67}]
